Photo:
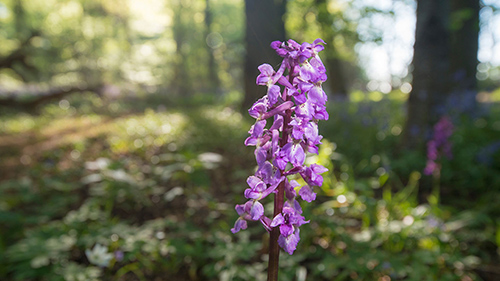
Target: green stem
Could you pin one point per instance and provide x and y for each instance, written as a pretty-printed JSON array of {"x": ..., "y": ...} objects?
[
  {"x": 274, "y": 248},
  {"x": 436, "y": 187},
  {"x": 279, "y": 197}
]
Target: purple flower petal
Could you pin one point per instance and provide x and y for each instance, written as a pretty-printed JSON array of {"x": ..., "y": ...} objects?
[
  {"x": 305, "y": 86},
  {"x": 258, "y": 128},
  {"x": 278, "y": 123},
  {"x": 290, "y": 189},
  {"x": 286, "y": 229},
  {"x": 257, "y": 211},
  {"x": 296, "y": 207},
  {"x": 271, "y": 189},
  {"x": 266, "y": 222},
  {"x": 260, "y": 155},
  {"x": 289, "y": 244},
  {"x": 278, "y": 220},
  {"x": 258, "y": 108},
  {"x": 240, "y": 209},
  {"x": 307, "y": 194},
  {"x": 318, "y": 169},
  {"x": 239, "y": 225},
  {"x": 319, "y": 40},
  {"x": 284, "y": 81},
  {"x": 292, "y": 43},
  {"x": 312, "y": 149},
  {"x": 276, "y": 44},
  {"x": 305, "y": 111},
  {"x": 265, "y": 172},
  {"x": 304, "y": 56},
  {"x": 251, "y": 194},
  {"x": 300, "y": 98},
  {"x": 251, "y": 141},
  {"x": 253, "y": 181},
  {"x": 266, "y": 69},
  {"x": 278, "y": 109},
  {"x": 306, "y": 72},
  {"x": 297, "y": 155},
  {"x": 317, "y": 95},
  {"x": 273, "y": 93}
]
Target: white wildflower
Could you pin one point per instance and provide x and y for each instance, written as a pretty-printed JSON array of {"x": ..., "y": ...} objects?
[{"x": 99, "y": 255}]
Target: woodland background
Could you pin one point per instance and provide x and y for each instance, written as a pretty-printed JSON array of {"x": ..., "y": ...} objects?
[{"x": 122, "y": 125}]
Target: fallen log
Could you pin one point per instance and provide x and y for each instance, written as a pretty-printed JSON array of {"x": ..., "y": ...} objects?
[{"x": 29, "y": 97}]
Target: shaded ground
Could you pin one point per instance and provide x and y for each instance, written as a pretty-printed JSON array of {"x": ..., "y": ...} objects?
[{"x": 160, "y": 183}]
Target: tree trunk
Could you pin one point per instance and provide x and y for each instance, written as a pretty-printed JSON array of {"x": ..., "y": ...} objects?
[
  {"x": 180, "y": 80},
  {"x": 337, "y": 82},
  {"x": 444, "y": 68},
  {"x": 444, "y": 64},
  {"x": 464, "y": 42},
  {"x": 431, "y": 64},
  {"x": 213, "y": 77},
  {"x": 264, "y": 24}
]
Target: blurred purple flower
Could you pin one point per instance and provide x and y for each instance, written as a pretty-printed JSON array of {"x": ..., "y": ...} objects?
[
  {"x": 119, "y": 255},
  {"x": 439, "y": 145}
]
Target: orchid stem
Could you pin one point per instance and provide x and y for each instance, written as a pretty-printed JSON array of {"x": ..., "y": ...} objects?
[
  {"x": 279, "y": 198},
  {"x": 274, "y": 249}
]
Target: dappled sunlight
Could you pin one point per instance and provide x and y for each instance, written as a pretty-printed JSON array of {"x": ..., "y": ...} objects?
[
  {"x": 226, "y": 117},
  {"x": 123, "y": 127},
  {"x": 155, "y": 183},
  {"x": 151, "y": 129}
]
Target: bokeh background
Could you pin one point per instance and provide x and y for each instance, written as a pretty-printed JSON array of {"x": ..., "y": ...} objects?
[{"x": 122, "y": 126}]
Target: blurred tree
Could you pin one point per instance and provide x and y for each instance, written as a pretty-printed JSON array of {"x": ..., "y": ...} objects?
[
  {"x": 55, "y": 48},
  {"x": 193, "y": 64},
  {"x": 431, "y": 65},
  {"x": 337, "y": 81},
  {"x": 226, "y": 42},
  {"x": 336, "y": 22},
  {"x": 180, "y": 82},
  {"x": 264, "y": 24},
  {"x": 61, "y": 43},
  {"x": 464, "y": 25},
  {"x": 444, "y": 63},
  {"x": 17, "y": 60},
  {"x": 444, "y": 67},
  {"x": 179, "y": 46},
  {"x": 213, "y": 82}
]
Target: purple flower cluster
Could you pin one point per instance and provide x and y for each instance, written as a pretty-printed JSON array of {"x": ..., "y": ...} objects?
[
  {"x": 295, "y": 108},
  {"x": 439, "y": 145}
]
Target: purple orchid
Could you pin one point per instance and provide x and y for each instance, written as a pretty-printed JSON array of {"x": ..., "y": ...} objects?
[
  {"x": 439, "y": 145},
  {"x": 251, "y": 210},
  {"x": 296, "y": 101},
  {"x": 269, "y": 77},
  {"x": 307, "y": 194},
  {"x": 289, "y": 222}
]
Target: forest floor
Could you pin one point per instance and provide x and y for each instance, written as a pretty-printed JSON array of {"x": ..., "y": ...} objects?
[{"x": 159, "y": 183}]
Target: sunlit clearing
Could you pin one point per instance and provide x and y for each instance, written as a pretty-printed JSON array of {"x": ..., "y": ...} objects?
[
  {"x": 151, "y": 129},
  {"x": 149, "y": 17}
]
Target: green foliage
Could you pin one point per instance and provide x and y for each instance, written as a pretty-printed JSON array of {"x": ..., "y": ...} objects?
[
  {"x": 120, "y": 43},
  {"x": 160, "y": 186},
  {"x": 63, "y": 42}
]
